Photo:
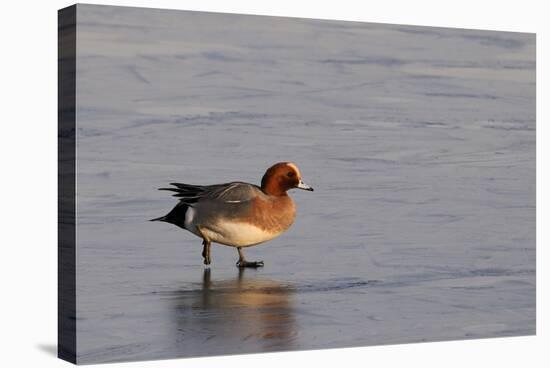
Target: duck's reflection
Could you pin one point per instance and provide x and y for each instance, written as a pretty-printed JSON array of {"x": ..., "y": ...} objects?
[{"x": 244, "y": 314}]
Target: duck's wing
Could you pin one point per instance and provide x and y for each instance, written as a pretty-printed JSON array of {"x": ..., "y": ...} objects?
[{"x": 234, "y": 192}]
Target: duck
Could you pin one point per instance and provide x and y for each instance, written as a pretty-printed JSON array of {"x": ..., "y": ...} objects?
[{"x": 237, "y": 214}]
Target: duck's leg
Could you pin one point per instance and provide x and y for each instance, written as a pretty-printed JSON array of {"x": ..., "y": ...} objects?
[
  {"x": 206, "y": 251},
  {"x": 244, "y": 263},
  {"x": 205, "y": 247}
]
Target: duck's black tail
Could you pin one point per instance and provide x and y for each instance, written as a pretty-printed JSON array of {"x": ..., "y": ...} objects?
[{"x": 176, "y": 216}]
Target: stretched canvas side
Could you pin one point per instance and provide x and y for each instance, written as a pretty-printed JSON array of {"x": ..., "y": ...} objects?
[{"x": 66, "y": 184}]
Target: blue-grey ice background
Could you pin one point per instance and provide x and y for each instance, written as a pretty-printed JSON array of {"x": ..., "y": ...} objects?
[{"x": 420, "y": 143}]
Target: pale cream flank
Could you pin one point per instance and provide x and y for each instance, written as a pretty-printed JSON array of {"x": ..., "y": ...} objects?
[{"x": 238, "y": 234}]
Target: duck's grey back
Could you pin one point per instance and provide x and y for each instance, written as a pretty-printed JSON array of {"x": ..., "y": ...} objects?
[{"x": 209, "y": 202}]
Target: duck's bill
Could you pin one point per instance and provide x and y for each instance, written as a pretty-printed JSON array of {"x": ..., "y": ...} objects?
[{"x": 304, "y": 186}]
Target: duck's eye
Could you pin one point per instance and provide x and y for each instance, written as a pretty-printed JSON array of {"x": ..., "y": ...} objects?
[{"x": 291, "y": 174}]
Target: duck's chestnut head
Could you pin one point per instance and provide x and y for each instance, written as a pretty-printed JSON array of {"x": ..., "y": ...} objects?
[{"x": 281, "y": 177}]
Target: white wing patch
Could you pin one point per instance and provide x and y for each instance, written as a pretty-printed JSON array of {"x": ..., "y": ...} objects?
[{"x": 189, "y": 217}]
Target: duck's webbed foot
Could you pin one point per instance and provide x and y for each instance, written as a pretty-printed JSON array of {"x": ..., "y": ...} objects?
[
  {"x": 242, "y": 262},
  {"x": 252, "y": 264}
]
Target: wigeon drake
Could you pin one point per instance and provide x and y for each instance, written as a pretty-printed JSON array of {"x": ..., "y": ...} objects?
[{"x": 238, "y": 214}]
